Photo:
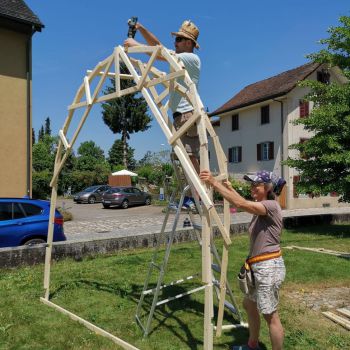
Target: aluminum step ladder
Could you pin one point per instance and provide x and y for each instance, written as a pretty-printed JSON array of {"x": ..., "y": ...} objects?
[{"x": 143, "y": 317}]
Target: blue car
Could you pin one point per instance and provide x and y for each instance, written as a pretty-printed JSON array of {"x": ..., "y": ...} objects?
[{"x": 25, "y": 221}]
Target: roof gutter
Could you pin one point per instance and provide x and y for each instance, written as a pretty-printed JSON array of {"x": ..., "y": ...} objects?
[{"x": 29, "y": 114}]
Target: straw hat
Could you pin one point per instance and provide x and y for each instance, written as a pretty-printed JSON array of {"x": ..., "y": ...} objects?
[{"x": 188, "y": 30}]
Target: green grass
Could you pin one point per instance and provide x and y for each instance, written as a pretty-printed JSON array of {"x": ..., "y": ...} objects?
[{"x": 105, "y": 290}]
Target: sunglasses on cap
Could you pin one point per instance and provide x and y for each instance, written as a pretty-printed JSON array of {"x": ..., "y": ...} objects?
[{"x": 178, "y": 39}]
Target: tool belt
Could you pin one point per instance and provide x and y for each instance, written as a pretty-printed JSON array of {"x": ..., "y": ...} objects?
[
  {"x": 264, "y": 257},
  {"x": 246, "y": 280}
]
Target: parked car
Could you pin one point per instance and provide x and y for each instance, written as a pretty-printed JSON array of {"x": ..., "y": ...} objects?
[
  {"x": 124, "y": 197},
  {"x": 25, "y": 221},
  {"x": 91, "y": 194}
]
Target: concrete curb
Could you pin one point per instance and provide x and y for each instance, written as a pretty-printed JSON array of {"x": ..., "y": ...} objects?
[{"x": 30, "y": 255}]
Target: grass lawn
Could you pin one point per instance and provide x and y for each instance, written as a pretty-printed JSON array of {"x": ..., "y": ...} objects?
[{"x": 105, "y": 290}]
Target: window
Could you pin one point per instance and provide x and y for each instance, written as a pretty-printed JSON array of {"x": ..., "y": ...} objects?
[
  {"x": 265, "y": 114},
  {"x": 136, "y": 191},
  {"x": 323, "y": 76},
  {"x": 303, "y": 109},
  {"x": 17, "y": 211},
  {"x": 235, "y": 154},
  {"x": 5, "y": 211},
  {"x": 31, "y": 209},
  {"x": 265, "y": 151},
  {"x": 235, "y": 122}
]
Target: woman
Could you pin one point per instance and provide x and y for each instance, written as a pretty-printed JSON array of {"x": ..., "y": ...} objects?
[{"x": 265, "y": 258}]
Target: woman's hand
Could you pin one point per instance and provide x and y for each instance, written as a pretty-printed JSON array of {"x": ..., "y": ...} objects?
[
  {"x": 207, "y": 177},
  {"x": 227, "y": 184}
]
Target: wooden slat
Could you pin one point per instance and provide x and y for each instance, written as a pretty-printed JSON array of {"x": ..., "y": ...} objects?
[
  {"x": 90, "y": 326},
  {"x": 183, "y": 128},
  {"x": 338, "y": 319},
  {"x": 345, "y": 312}
]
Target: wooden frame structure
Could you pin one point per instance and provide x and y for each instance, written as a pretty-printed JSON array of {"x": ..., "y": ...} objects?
[{"x": 155, "y": 86}]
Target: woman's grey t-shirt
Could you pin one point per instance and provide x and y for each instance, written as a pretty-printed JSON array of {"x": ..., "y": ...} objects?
[{"x": 265, "y": 230}]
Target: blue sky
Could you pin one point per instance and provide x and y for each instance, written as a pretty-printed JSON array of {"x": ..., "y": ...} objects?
[{"x": 241, "y": 42}]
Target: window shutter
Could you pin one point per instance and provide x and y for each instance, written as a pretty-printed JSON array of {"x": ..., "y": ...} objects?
[
  {"x": 295, "y": 181},
  {"x": 230, "y": 155},
  {"x": 271, "y": 150},
  {"x": 258, "y": 151},
  {"x": 239, "y": 154},
  {"x": 303, "y": 109},
  {"x": 235, "y": 122}
]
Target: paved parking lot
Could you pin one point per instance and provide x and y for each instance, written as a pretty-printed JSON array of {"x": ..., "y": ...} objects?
[{"x": 92, "y": 221}]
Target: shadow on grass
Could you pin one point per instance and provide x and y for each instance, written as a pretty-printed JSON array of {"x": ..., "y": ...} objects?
[{"x": 334, "y": 230}]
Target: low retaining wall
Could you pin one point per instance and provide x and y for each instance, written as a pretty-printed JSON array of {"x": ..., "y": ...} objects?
[{"x": 30, "y": 255}]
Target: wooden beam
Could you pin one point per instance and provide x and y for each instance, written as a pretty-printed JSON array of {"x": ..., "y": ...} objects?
[
  {"x": 184, "y": 128},
  {"x": 87, "y": 90},
  {"x": 167, "y": 77},
  {"x": 321, "y": 250},
  {"x": 63, "y": 138},
  {"x": 338, "y": 319},
  {"x": 90, "y": 326}
]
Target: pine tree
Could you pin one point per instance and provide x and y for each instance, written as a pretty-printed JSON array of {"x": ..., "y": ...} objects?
[
  {"x": 125, "y": 115},
  {"x": 325, "y": 165},
  {"x": 47, "y": 126},
  {"x": 41, "y": 134},
  {"x": 116, "y": 155}
]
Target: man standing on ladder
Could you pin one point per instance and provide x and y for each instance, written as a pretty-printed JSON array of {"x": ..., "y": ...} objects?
[{"x": 185, "y": 43}]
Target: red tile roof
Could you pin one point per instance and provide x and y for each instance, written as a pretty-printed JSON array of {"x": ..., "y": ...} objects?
[{"x": 267, "y": 89}]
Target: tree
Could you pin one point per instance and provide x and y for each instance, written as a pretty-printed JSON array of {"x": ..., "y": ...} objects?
[
  {"x": 116, "y": 155},
  {"x": 33, "y": 136},
  {"x": 125, "y": 115},
  {"x": 44, "y": 153},
  {"x": 47, "y": 126},
  {"x": 90, "y": 156},
  {"x": 325, "y": 163},
  {"x": 41, "y": 134}
]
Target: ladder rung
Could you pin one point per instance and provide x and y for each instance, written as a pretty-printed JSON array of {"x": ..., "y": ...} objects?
[
  {"x": 174, "y": 283},
  {"x": 180, "y": 295}
]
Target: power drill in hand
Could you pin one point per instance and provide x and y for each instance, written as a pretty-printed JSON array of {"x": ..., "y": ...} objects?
[{"x": 132, "y": 29}]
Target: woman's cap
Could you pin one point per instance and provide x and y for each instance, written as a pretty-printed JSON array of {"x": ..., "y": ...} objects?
[
  {"x": 265, "y": 177},
  {"x": 188, "y": 30}
]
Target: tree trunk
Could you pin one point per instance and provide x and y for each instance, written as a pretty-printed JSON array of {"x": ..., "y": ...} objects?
[{"x": 125, "y": 149}]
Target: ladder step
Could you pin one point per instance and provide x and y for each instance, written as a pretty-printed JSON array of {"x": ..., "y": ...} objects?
[
  {"x": 180, "y": 295},
  {"x": 216, "y": 268}
]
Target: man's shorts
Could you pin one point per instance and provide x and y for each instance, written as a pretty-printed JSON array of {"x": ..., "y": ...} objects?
[
  {"x": 268, "y": 276},
  {"x": 189, "y": 139}
]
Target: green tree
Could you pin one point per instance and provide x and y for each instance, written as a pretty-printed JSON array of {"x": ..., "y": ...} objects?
[
  {"x": 125, "y": 115},
  {"x": 44, "y": 153},
  {"x": 89, "y": 156},
  {"x": 47, "y": 130},
  {"x": 325, "y": 163},
  {"x": 41, "y": 133},
  {"x": 116, "y": 155}
]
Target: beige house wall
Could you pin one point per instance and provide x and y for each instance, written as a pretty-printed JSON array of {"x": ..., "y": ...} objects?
[
  {"x": 251, "y": 132},
  {"x": 13, "y": 114}
]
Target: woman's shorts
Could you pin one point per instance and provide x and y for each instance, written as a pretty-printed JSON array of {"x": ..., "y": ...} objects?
[{"x": 268, "y": 276}]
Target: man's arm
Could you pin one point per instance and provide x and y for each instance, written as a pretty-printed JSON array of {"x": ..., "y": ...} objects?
[{"x": 150, "y": 38}]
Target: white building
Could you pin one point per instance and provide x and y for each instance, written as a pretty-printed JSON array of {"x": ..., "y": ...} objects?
[{"x": 255, "y": 129}]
